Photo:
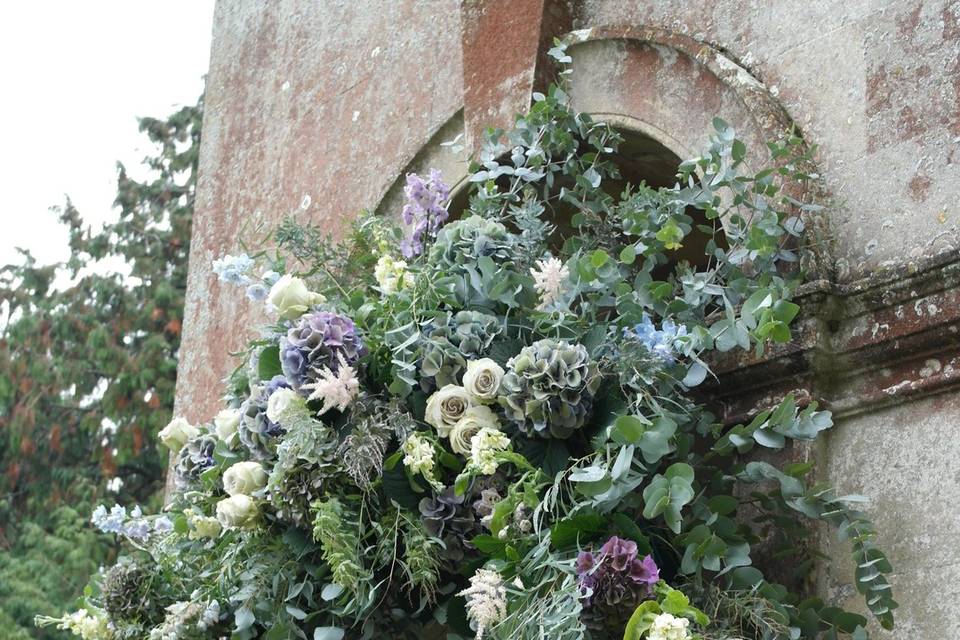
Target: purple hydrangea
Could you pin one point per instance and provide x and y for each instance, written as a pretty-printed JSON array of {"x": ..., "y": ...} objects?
[
  {"x": 660, "y": 343},
  {"x": 317, "y": 342},
  {"x": 615, "y": 575},
  {"x": 425, "y": 211}
]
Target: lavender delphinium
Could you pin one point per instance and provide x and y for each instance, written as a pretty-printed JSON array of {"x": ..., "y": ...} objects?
[
  {"x": 660, "y": 343},
  {"x": 316, "y": 343},
  {"x": 614, "y": 581},
  {"x": 425, "y": 211}
]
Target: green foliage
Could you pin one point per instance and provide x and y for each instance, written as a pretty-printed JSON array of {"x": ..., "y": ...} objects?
[
  {"x": 87, "y": 369},
  {"x": 596, "y": 328},
  {"x": 45, "y": 569}
]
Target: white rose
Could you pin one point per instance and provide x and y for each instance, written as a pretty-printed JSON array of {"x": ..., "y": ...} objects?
[
  {"x": 291, "y": 298},
  {"x": 446, "y": 407},
  {"x": 176, "y": 434},
  {"x": 482, "y": 379},
  {"x": 280, "y": 402},
  {"x": 237, "y": 511},
  {"x": 202, "y": 526},
  {"x": 226, "y": 424},
  {"x": 244, "y": 477},
  {"x": 474, "y": 419}
]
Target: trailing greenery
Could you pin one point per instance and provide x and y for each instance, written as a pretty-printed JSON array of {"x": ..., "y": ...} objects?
[{"x": 495, "y": 432}]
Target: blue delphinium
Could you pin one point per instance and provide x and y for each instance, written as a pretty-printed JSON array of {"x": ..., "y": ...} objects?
[
  {"x": 233, "y": 269},
  {"x": 662, "y": 342},
  {"x": 426, "y": 210},
  {"x": 134, "y": 526}
]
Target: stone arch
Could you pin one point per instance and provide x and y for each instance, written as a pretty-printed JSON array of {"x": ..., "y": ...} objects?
[{"x": 648, "y": 81}]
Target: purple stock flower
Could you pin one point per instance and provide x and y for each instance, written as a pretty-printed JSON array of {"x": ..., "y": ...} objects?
[
  {"x": 425, "y": 211},
  {"x": 316, "y": 343},
  {"x": 615, "y": 575}
]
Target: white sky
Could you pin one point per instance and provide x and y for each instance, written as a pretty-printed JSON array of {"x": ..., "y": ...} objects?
[{"x": 75, "y": 76}]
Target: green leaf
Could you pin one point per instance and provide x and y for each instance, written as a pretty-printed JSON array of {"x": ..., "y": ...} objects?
[
  {"x": 268, "y": 365},
  {"x": 641, "y": 620},
  {"x": 628, "y": 254}
]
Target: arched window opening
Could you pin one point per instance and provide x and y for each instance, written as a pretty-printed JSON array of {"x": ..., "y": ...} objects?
[{"x": 641, "y": 160}]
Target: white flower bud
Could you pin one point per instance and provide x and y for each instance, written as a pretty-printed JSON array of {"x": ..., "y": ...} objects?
[
  {"x": 237, "y": 512},
  {"x": 280, "y": 402},
  {"x": 446, "y": 407},
  {"x": 177, "y": 433},
  {"x": 226, "y": 424},
  {"x": 482, "y": 380},
  {"x": 244, "y": 478},
  {"x": 291, "y": 298}
]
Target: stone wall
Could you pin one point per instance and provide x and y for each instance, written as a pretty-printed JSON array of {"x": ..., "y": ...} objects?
[{"x": 319, "y": 108}]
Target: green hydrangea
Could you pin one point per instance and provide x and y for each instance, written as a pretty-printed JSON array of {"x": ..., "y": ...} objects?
[
  {"x": 549, "y": 387},
  {"x": 451, "y": 340},
  {"x": 461, "y": 243}
]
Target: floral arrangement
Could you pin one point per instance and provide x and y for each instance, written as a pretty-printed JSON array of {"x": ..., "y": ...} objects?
[{"x": 480, "y": 426}]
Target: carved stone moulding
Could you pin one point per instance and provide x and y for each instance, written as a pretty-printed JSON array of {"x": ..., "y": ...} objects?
[{"x": 883, "y": 340}]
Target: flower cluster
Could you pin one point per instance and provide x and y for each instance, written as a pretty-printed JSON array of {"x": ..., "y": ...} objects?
[
  {"x": 662, "y": 342},
  {"x": 392, "y": 275},
  {"x": 550, "y": 277},
  {"x": 135, "y": 526},
  {"x": 425, "y": 210},
  {"x": 477, "y": 409},
  {"x": 614, "y": 580},
  {"x": 486, "y": 600},
  {"x": 319, "y": 342}
]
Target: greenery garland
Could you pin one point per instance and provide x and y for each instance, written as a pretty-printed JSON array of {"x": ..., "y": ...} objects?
[{"x": 495, "y": 434}]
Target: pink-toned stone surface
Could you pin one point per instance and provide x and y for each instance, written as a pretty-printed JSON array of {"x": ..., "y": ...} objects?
[
  {"x": 319, "y": 108},
  {"x": 874, "y": 83},
  {"x": 313, "y": 108}
]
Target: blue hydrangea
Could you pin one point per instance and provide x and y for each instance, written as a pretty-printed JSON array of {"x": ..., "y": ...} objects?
[
  {"x": 661, "y": 343},
  {"x": 233, "y": 269}
]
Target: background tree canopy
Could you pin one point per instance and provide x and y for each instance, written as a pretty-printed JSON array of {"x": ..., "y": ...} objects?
[{"x": 88, "y": 359}]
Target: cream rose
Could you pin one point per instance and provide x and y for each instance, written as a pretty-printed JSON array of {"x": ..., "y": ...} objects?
[
  {"x": 244, "y": 478},
  {"x": 237, "y": 511},
  {"x": 226, "y": 424},
  {"x": 446, "y": 407},
  {"x": 280, "y": 402},
  {"x": 474, "y": 419},
  {"x": 291, "y": 298},
  {"x": 176, "y": 434},
  {"x": 482, "y": 379}
]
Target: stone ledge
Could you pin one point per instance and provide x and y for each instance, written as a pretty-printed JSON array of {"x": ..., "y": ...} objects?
[{"x": 857, "y": 347}]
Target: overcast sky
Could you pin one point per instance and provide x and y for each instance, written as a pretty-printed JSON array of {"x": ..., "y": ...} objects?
[{"x": 74, "y": 77}]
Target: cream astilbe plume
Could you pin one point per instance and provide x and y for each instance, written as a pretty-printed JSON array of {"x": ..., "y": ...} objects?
[
  {"x": 335, "y": 389},
  {"x": 549, "y": 277},
  {"x": 486, "y": 599}
]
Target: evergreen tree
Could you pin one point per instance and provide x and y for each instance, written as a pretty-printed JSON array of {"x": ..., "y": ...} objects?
[{"x": 88, "y": 359}]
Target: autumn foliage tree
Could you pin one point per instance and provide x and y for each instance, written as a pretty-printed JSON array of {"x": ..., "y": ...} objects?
[{"x": 88, "y": 348}]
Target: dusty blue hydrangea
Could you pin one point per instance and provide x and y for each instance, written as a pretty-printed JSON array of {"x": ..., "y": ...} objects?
[{"x": 319, "y": 341}]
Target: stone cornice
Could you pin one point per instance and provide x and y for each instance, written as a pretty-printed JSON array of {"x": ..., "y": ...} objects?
[{"x": 857, "y": 346}]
